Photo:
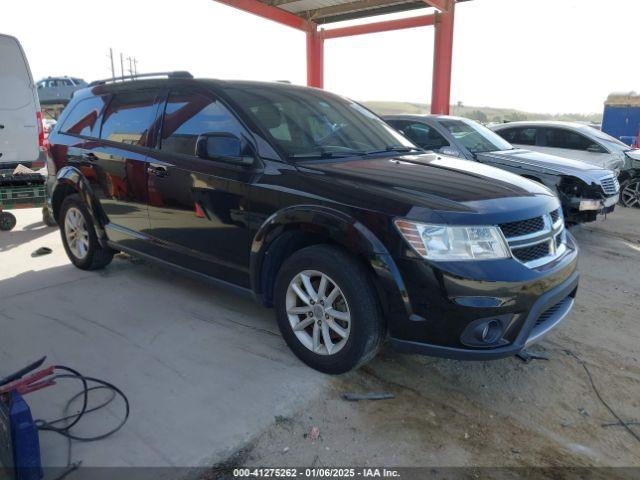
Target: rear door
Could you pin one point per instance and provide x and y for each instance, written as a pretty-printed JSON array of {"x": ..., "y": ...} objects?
[
  {"x": 18, "y": 107},
  {"x": 198, "y": 208},
  {"x": 118, "y": 163}
]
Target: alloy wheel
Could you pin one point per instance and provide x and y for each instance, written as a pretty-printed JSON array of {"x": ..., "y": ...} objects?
[
  {"x": 76, "y": 233},
  {"x": 318, "y": 312},
  {"x": 630, "y": 195}
]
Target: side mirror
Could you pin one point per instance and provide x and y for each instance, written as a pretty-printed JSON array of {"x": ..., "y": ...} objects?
[
  {"x": 225, "y": 147},
  {"x": 450, "y": 151}
]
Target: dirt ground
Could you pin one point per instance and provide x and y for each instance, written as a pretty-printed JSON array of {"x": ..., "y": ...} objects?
[{"x": 503, "y": 413}]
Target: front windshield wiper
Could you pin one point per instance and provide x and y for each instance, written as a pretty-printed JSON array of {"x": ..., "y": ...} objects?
[
  {"x": 322, "y": 155},
  {"x": 395, "y": 149}
]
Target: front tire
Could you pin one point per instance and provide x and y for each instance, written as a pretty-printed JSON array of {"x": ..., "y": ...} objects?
[
  {"x": 630, "y": 193},
  {"x": 328, "y": 309},
  {"x": 79, "y": 236}
]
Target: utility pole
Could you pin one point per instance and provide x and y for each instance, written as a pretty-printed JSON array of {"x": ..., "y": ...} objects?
[
  {"x": 135, "y": 66},
  {"x": 130, "y": 66},
  {"x": 121, "y": 65},
  {"x": 113, "y": 71}
]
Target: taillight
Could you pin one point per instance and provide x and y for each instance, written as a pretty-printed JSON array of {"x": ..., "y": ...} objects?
[{"x": 40, "y": 130}]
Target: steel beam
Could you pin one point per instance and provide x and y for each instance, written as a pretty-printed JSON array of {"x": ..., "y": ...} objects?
[
  {"x": 271, "y": 13},
  {"x": 411, "y": 22},
  {"x": 442, "y": 62},
  {"x": 315, "y": 58},
  {"x": 442, "y": 5}
]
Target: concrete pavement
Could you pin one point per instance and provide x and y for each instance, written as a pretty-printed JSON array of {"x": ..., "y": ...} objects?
[{"x": 205, "y": 370}]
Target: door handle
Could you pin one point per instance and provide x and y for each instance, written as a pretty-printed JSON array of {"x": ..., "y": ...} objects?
[{"x": 157, "y": 170}]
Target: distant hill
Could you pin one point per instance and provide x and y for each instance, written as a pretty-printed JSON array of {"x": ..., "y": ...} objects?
[{"x": 481, "y": 114}]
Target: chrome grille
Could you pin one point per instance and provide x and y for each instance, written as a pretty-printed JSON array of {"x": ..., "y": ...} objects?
[
  {"x": 610, "y": 185},
  {"x": 536, "y": 241}
]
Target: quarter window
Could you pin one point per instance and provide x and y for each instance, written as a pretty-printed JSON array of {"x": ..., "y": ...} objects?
[
  {"x": 189, "y": 115},
  {"x": 129, "y": 117},
  {"x": 83, "y": 119}
]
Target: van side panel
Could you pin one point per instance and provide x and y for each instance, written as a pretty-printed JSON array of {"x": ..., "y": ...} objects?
[{"x": 18, "y": 106}]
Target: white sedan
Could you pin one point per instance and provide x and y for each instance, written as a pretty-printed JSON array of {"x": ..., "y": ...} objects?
[{"x": 580, "y": 142}]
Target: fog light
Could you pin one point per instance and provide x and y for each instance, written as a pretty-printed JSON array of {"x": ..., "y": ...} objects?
[
  {"x": 486, "y": 332},
  {"x": 489, "y": 332}
]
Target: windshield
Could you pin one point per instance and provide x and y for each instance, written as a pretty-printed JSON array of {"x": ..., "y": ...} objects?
[
  {"x": 309, "y": 124},
  {"x": 610, "y": 142},
  {"x": 475, "y": 137}
]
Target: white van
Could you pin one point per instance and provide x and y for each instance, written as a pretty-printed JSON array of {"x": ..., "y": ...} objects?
[{"x": 21, "y": 131}]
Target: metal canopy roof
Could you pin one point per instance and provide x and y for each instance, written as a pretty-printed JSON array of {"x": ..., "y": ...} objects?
[{"x": 328, "y": 11}]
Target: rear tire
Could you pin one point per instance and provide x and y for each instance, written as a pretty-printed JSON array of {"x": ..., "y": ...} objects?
[
  {"x": 7, "y": 221},
  {"x": 79, "y": 236},
  {"x": 332, "y": 331}
]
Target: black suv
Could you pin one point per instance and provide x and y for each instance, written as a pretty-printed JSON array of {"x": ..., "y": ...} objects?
[{"x": 320, "y": 209}]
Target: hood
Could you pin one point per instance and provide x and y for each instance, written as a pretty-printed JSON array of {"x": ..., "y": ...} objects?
[
  {"x": 430, "y": 181},
  {"x": 548, "y": 164},
  {"x": 634, "y": 155}
]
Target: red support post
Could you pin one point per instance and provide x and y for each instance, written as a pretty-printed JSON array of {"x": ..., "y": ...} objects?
[
  {"x": 442, "y": 61},
  {"x": 315, "y": 58}
]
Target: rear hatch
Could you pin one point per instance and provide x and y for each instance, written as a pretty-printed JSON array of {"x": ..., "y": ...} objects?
[{"x": 18, "y": 107}]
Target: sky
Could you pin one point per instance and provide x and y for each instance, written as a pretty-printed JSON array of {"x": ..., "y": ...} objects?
[{"x": 547, "y": 56}]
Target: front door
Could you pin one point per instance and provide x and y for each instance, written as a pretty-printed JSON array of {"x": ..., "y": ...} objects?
[
  {"x": 118, "y": 163},
  {"x": 198, "y": 208}
]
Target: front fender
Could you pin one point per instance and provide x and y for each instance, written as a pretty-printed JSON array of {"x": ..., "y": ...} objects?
[
  {"x": 339, "y": 228},
  {"x": 70, "y": 180}
]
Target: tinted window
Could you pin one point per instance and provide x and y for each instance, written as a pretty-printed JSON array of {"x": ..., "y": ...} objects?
[
  {"x": 128, "y": 118},
  {"x": 422, "y": 135},
  {"x": 560, "y": 138},
  {"x": 307, "y": 124},
  {"x": 187, "y": 116},
  {"x": 520, "y": 136},
  {"x": 475, "y": 137},
  {"x": 83, "y": 119}
]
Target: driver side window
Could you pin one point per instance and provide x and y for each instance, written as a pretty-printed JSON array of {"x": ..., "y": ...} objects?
[
  {"x": 424, "y": 136},
  {"x": 188, "y": 115}
]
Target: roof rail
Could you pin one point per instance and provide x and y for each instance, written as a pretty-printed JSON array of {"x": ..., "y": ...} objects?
[{"x": 177, "y": 74}]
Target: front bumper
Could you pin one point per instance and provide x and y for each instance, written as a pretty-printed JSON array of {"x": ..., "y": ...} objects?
[
  {"x": 546, "y": 313},
  {"x": 589, "y": 204},
  {"x": 452, "y": 304}
]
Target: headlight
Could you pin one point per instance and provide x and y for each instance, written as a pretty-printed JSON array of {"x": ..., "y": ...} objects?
[{"x": 454, "y": 243}]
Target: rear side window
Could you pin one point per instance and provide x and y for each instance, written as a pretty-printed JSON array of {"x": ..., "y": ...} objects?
[
  {"x": 188, "y": 115},
  {"x": 422, "y": 135},
  {"x": 83, "y": 119},
  {"x": 519, "y": 136},
  {"x": 129, "y": 118},
  {"x": 15, "y": 80},
  {"x": 561, "y": 138}
]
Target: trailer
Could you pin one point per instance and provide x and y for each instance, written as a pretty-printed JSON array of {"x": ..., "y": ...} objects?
[{"x": 621, "y": 117}]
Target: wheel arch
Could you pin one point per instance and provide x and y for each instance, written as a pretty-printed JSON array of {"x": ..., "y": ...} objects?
[
  {"x": 293, "y": 228},
  {"x": 70, "y": 181}
]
